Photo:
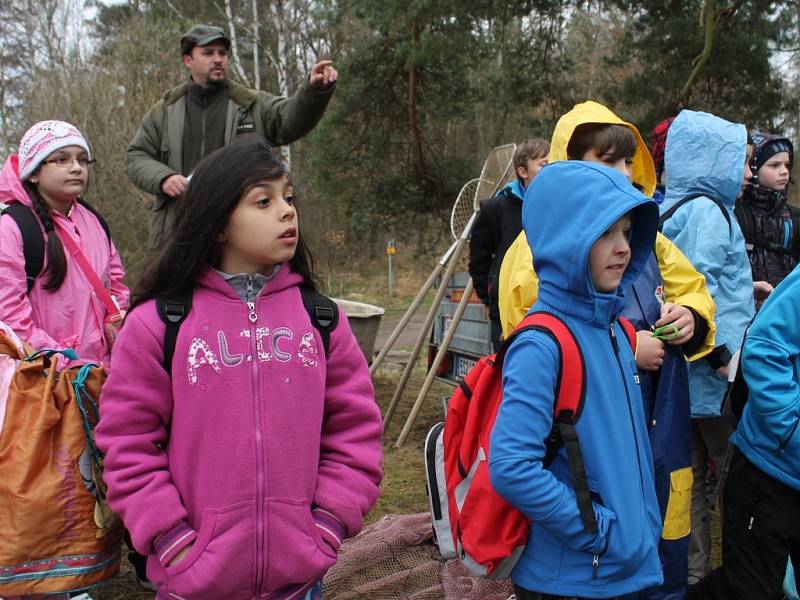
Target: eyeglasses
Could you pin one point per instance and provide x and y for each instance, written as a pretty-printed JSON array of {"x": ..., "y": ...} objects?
[{"x": 65, "y": 162}]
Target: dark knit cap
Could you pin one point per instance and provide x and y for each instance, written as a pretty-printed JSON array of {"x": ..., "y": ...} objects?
[{"x": 767, "y": 145}]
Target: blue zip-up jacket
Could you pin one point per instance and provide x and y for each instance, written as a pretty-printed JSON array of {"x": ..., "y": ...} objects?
[
  {"x": 768, "y": 430},
  {"x": 705, "y": 154},
  {"x": 567, "y": 208}
]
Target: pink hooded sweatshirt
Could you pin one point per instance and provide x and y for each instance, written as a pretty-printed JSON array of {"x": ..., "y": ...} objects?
[
  {"x": 258, "y": 450},
  {"x": 71, "y": 316}
]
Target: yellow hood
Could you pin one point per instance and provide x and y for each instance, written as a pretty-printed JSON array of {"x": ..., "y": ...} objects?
[{"x": 644, "y": 173}]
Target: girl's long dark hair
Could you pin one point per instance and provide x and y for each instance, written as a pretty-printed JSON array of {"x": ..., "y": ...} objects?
[
  {"x": 56, "y": 269},
  {"x": 216, "y": 186}
]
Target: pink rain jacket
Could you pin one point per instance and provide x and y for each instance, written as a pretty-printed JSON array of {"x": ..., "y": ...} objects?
[
  {"x": 258, "y": 450},
  {"x": 71, "y": 316}
]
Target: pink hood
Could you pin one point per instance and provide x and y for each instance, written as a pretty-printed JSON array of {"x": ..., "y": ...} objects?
[
  {"x": 260, "y": 450},
  {"x": 71, "y": 316}
]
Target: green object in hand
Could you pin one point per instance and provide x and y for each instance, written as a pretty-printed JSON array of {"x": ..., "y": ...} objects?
[{"x": 666, "y": 332}]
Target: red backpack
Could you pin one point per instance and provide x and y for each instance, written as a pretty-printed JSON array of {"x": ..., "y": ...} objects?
[{"x": 486, "y": 532}]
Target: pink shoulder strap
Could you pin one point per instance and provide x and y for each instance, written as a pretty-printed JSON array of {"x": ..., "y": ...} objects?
[{"x": 99, "y": 289}]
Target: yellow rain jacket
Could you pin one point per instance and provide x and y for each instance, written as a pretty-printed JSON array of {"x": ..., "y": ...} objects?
[{"x": 518, "y": 285}]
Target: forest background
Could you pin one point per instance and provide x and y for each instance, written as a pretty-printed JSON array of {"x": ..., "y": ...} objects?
[{"x": 427, "y": 88}]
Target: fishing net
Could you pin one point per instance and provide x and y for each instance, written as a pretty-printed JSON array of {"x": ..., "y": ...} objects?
[{"x": 397, "y": 559}]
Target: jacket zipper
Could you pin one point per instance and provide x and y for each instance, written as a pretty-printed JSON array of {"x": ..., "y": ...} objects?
[
  {"x": 615, "y": 346},
  {"x": 203, "y": 134},
  {"x": 253, "y": 317},
  {"x": 596, "y": 557}
]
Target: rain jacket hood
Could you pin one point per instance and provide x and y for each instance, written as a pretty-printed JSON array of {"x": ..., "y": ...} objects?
[
  {"x": 705, "y": 154},
  {"x": 596, "y": 198},
  {"x": 644, "y": 173}
]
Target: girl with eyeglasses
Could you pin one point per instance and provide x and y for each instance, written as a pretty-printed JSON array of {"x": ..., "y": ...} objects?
[{"x": 61, "y": 278}]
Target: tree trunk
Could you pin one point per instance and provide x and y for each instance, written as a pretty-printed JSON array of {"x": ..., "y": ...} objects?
[
  {"x": 416, "y": 135},
  {"x": 256, "y": 57}
]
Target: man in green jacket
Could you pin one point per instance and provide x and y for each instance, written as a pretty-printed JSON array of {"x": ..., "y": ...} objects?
[{"x": 206, "y": 113}]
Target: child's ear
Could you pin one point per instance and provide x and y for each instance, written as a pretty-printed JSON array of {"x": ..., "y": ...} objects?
[{"x": 522, "y": 172}]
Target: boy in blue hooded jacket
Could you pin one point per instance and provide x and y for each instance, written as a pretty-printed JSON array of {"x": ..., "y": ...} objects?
[
  {"x": 761, "y": 524},
  {"x": 706, "y": 155},
  {"x": 592, "y": 237}
]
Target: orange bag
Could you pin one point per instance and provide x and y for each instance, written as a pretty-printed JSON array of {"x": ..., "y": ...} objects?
[{"x": 56, "y": 531}]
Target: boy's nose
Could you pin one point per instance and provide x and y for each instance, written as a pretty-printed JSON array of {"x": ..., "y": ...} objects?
[{"x": 622, "y": 247}]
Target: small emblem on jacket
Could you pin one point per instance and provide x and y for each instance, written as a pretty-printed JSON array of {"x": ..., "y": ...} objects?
[
  {"x": 660, "y": 295},
  {"x": 248, "y": 127}
]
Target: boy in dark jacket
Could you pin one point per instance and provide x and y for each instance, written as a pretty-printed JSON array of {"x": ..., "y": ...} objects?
[{"x": 498, "y": 225}]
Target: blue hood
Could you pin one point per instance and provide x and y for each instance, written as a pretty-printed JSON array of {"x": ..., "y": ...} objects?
[
  {"x": 567, "y": 208},
  {"x": 705, "y": 154}
]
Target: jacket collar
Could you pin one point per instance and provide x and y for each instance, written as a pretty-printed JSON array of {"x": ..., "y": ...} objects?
[{"x": 238, "y": 93}]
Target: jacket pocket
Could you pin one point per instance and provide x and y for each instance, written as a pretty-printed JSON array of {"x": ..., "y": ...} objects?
[
  {"x": 621, "y": 552},
  {"x": 296, "y": 552},
  {"x": 677, "y": 521},
  {"x": 220, "y": 564}
]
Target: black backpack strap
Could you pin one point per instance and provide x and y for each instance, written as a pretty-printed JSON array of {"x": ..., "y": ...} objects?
[
  {"x": 103, "y": 222},
  {"x": 323, "y": 312},
  {"x": 674, "y": 208},
  {"x": 33, "y": 243},
  {"x": 172, "y": 309},
  {"x": 568, "y": 435},
  {"x": 745, "y": 219},
  {"x": 32, "y": 239}
]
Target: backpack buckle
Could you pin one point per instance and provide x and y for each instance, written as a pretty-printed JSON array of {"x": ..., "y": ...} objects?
[{"x": 174, "y": 310}]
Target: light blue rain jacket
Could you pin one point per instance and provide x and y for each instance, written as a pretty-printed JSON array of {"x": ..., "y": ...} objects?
[
  {"x": 706, "y": 154},
  {"x": 567, "y": 208}
]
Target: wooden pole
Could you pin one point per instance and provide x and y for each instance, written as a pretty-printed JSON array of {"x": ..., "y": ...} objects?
[
  {"x": 387, "y": 346},
  {"x": 451, "y": 332},
  {"x": 448, "y": 275}
]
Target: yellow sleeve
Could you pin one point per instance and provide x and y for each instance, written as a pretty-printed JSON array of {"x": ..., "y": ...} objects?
[
  {"x": 685, "y": 286},
  {"x": 518, "y": 285}
]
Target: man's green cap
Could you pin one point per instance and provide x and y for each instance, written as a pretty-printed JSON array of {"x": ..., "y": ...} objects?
[{"x": 202, "y": 35}]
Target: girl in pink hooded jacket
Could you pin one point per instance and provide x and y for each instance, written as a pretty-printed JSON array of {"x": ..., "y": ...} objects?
[
  {"x": 240, "y": 469},
  {"x": 60, "y": 309}
]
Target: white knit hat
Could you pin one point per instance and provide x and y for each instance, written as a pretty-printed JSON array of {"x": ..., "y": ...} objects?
[{"x": 43, "y": 139}]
